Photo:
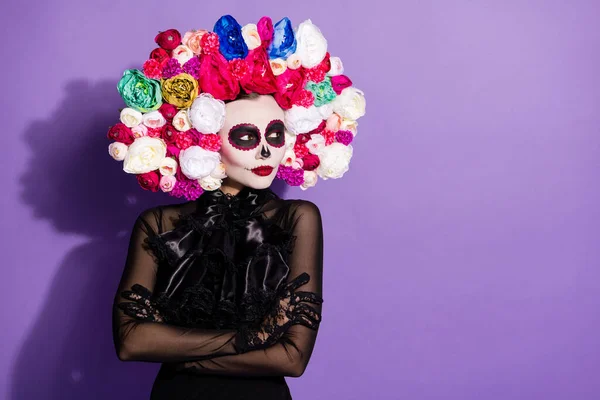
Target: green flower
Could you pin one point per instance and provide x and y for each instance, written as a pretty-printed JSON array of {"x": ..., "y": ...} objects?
[
  {"x": 322, "y": 91},
  {"x": 139, "y": 92}
]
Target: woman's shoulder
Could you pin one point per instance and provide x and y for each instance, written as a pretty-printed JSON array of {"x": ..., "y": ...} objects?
[{"x": 299, "y": 207}]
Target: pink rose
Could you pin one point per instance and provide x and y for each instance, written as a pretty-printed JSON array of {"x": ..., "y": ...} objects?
[
  {"x": 193, "y": 39},
  {"x": 265, "y": 30},
  {"x": 139, "y": 131},
  {"x": 167, "y": 183},
  {"x": 339, "y": 83}
]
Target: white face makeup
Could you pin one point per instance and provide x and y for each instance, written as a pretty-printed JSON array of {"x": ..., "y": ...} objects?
[{"x": 253, "y": 141}]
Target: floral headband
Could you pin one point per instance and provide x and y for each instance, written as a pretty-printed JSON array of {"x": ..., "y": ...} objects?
[{"x": 168, "y": 132}]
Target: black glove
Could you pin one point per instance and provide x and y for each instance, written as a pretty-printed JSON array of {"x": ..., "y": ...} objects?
[
  {"x": 290, "y": 310},
  {"x": 142, "y": 307}
]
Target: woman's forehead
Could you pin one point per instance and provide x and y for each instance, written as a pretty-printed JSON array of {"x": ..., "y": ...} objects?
[{"x": 259, "y": 111}]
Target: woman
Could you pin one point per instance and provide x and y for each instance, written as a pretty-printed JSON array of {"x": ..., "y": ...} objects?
[
  {"x": 239, "y": 244},
  {"x": 225, "y": 290}
]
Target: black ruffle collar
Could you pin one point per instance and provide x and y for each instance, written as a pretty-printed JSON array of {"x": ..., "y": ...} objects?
[{"x": 246, "y": 203}]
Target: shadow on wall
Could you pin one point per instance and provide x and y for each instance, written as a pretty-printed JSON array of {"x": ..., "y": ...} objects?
[{"x": 73, "y": 182}]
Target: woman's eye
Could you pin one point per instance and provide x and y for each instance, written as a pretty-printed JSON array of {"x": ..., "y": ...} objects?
[
  {"x": 275, "y": 134},
  {"x": 247, "y": 137}
]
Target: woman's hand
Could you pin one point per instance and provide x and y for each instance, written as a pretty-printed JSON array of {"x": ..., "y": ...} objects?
[
  {"x": 291, "y": 310},
  {"x": 141, "y": 306}
]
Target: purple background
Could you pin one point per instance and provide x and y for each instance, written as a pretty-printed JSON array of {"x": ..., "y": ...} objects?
[{"x": 461, "y": 249}]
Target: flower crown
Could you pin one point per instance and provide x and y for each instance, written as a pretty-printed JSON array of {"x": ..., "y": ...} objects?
[{"x": 175, "y": 105}]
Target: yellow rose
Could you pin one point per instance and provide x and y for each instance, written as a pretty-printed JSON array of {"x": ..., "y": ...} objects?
[{"x": 180, "y": 90}]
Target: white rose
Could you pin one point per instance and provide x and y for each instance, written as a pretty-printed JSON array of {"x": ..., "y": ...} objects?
[
  {"x": 207, "y": 114},
  {"x": 311, "y": 45},
  {"x": 168, "y": 167},
  {"x": 251, "y": 36},
  {"x": 325, "y": 110},
  {"x": 278, "y": 66},
  {"x": 182, "y": 53},
  {"x": 337, "y": 68},
  {"x": 300, "y": 119},
  {"x": 181, "y": 121},
  {"x": 131, "y": 117},
  {"x": 219, "y": 171},
  {"x": 316, "y": 144},
  {"x": 310, "y": 179},
  {"x": 350, "y": 103},
  {"x": 117, "y": 150},
  {"x": 290, "y": 159},
  {"x": 196, "y": 162},
  {"x": 145, "y": 154},
  {"x": 154, "y": 119},
  {"x": 290, "y": 138},
  {"x": 349, "y": 125},
  {"x": 334, "y": 159},
  {"x": 210, "y": 183},
  {"x": 294, "y": 61}
]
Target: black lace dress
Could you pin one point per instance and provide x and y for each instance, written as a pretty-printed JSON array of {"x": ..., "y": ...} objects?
[{"x": 202, "y": 277}]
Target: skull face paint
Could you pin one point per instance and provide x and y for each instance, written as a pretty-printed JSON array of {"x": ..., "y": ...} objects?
[{"x": 253, "y": 141}]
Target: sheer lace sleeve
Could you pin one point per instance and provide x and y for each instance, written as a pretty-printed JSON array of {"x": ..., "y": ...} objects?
[
  {"x": 137, "y": 339},
  {"x": 290, "y": 355}
]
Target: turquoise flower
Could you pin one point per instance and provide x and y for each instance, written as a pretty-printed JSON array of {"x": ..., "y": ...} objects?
[
  {"x": 322, "y": 91},
  {"x": 139, "y": 92}
]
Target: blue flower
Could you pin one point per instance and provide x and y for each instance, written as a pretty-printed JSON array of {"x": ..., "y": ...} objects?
[
  {"x": 231, "y": 41},
  {"x": 284, "y": 42}
]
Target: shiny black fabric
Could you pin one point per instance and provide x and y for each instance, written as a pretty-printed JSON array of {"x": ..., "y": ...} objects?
[{"x": 214, "y": 266}]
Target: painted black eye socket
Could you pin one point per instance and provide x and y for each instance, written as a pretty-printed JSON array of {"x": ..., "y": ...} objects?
[
  {"x": 244, "y": 137},
  {"x": 275, "y": 135}
]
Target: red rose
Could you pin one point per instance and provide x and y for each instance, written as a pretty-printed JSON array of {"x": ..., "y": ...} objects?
[
  {"x": 325, "y": 65},
  {"x": 290, "y": 85},
  {"x": 340, "y": 82},
  {"x": 216, "y": 77},
  {"x": 168, "y": 111},
  {"x": 156, "y": 132},
  {"x": 302, "y": 138},
  {"x": 260, "y": 78},
  {"x": 168, "y": 39},
  {"x": 160, "y": 55},
  {"x": 149, "y": 180},
  {"x": 169, "y": 133},
  {"x": 319, "y": 128},
  {"x": 311, "y": 162},
  {"x": 121, "y": 133}
]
